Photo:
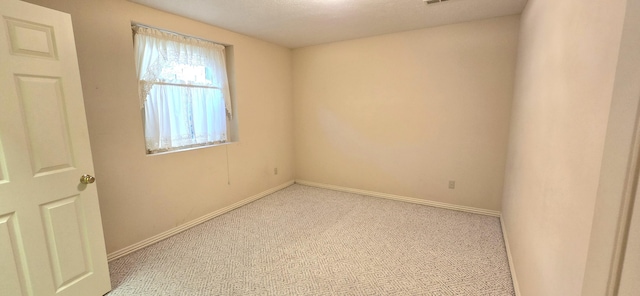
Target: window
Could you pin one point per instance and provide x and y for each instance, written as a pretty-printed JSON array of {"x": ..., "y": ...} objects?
[{"x": 183, "y": 88}]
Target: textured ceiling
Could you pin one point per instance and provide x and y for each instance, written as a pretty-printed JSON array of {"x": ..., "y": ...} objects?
[{"x": 299, "y": 23}]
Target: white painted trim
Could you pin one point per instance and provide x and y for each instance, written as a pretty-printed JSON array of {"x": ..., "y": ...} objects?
[
  {"x": 171, "y": 232},
  {"x": 404, "y": 198},
  {"x": 512, "y": 267}
]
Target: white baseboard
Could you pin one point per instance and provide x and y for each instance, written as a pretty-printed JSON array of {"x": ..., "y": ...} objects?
[
  {"x": 404, "y": 198},
  {"x": 514, "y": 278},
  {"x": 156, "y": 238}
]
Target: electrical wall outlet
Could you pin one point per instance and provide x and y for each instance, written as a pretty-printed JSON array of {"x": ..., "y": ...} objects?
[
  {"x": 275, "y": 171},
  {"x": 452, "y": 184}
]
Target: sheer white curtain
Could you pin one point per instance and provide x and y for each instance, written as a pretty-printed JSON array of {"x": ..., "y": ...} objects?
[{"x": 184, "y": 89}]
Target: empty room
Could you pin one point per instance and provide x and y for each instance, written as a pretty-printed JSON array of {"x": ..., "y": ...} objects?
[{"x": 319, "y": 147}]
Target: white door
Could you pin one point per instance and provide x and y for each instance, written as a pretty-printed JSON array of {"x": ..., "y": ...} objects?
[{"x": 51, "y": 239}]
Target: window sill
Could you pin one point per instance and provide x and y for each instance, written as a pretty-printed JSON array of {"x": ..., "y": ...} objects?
[{"x": 191, "y": 148}]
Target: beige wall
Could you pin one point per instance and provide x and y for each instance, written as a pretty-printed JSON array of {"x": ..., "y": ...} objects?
[
  {"x": 141, "y": 196},
  {"x": 566, "y": 67},
  {"x": 405, "y": 113}
]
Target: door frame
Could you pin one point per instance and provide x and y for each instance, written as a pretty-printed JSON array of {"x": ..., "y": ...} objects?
[{"x": 620, "y": 169}]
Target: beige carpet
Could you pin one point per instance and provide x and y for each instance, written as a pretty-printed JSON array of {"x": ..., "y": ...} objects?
[{"x": 310, "y": 241}]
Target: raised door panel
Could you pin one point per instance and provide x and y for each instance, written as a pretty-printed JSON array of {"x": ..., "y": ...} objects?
[
  {"x": 14, "y": 277},
  {"x": 28, "y": 38},
  {"x": 66, "y": 237},
  {"x": 4, "y": 177},
  {"x": 46, "y": 123}
]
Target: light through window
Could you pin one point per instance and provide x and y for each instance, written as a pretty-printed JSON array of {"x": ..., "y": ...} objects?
[{"x": 184, "y": 90}]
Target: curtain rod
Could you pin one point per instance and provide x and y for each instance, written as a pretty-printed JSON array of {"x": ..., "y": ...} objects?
[
  {"x": 134, "y": 24},
  {"x": 179, "y": 84}
]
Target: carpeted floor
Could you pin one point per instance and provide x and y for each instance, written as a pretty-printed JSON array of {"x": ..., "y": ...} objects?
[{"x": 310, "y": 241}]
